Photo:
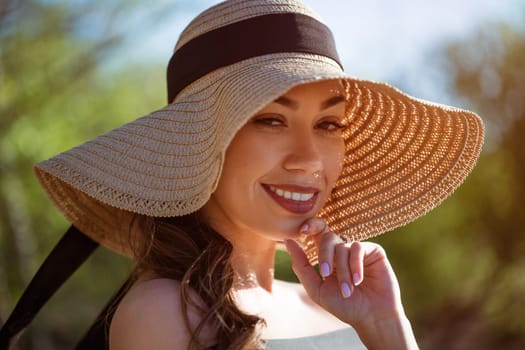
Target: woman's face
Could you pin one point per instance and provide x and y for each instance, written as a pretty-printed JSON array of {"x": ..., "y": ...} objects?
[{"x": 281, "y": 166}]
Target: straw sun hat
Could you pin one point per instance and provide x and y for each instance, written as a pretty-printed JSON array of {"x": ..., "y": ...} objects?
[{"x": 404, "y": 156}]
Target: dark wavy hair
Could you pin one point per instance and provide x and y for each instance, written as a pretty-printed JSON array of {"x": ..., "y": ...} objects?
[{"x": 187, "y": 250}]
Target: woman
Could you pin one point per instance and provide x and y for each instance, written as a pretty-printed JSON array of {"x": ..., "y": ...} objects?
[{"x": 265, "y": 140}]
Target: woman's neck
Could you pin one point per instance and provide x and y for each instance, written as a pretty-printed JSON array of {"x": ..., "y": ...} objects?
[
  {"x": 253, "y": 254},
  {"x": 253, "y": 262}
]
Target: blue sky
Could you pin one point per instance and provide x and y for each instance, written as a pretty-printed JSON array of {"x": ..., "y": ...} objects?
[
  {"x": 376, "y": 39},
  {"x": 377, "y": 36}
]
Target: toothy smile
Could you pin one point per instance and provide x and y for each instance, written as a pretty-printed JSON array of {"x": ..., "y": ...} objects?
[
  {"x": 296, "y": 196},
  {"x": 299, "y": 200}
]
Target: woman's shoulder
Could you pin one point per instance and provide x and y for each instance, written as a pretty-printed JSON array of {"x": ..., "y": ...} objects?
[{"x": 151, "y": 315}]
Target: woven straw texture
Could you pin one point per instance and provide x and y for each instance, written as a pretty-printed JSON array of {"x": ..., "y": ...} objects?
[{"x": 404, "y": 156}]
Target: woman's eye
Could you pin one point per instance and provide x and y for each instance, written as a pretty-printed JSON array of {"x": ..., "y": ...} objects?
[
  {"x": 330, "y": 125},
  {"x": 269, "y": 121}
]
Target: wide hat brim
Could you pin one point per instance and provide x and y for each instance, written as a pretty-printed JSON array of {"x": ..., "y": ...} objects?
[{"x": 404, "y": 156}]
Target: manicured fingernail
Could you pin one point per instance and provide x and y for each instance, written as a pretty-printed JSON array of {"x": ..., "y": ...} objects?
[
  {"x": 345, "y": 290},
  {"x": 357, "y": 280},
  {"x": 325, "y": 269},
  {"x": 305, "y": 228}
]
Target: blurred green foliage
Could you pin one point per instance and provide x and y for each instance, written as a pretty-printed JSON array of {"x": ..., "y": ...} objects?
[
  {"x": 461, "y": 267},
  {"x": 54, "y": 93}
]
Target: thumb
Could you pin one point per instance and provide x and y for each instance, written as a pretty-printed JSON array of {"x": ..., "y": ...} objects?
[{"x": 305, "y": 272}]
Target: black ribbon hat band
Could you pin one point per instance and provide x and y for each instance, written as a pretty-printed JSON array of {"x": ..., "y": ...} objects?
[{"x": 273, "y": 33}]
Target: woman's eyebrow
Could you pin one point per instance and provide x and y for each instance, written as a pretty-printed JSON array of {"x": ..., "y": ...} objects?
[
  {"x": 288, "y": 102},
  {"x": 332, "y": 101}
]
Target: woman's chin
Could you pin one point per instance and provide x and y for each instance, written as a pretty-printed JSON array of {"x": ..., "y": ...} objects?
[{"x": 287, "y": 230}]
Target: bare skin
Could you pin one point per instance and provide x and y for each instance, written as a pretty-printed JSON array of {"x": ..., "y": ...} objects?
[
  {"x": 373, "y": 305},
  {"x": 293, "y": 145}
]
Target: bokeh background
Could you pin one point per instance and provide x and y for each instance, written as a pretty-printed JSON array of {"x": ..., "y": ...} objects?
[{"x": 70, "y": 70}]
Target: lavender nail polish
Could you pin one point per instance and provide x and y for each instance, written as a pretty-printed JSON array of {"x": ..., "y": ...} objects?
[
  {"x": 325, "y": 269},
  {"x": 345, "y": 290}
]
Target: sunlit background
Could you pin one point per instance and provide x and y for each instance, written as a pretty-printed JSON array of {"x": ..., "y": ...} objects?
[{"x": 70, "y": 70}]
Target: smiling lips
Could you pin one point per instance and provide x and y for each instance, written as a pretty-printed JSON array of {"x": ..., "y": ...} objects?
[{"x": 295, "y": 199}]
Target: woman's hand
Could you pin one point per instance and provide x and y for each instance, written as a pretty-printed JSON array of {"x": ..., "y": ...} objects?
[{"x": 357, "y": 285}]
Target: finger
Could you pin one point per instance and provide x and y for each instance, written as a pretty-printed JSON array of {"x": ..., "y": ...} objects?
[
  {"x": 313, "y": 226},
  {"x": 315, "y": 230},
  {"x": 326, "y": 243},
  {"x": 357, "y": 254},
  {"x": 304, "y": 271},
  {"x": 342, "y": 269}
]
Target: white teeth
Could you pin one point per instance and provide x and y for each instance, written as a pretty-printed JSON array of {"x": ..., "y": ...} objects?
[{"x": 296, "y": 196}]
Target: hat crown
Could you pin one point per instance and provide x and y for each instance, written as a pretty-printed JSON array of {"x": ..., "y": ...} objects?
[
  {"x": 232, "y": 11},
  {"x": 403, "y": 155}
]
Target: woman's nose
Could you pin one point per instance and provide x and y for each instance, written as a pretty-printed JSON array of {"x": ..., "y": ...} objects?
[{"x": 303, "y": 155}]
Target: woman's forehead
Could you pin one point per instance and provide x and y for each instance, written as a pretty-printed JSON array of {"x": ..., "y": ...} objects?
[{"x": 334, "y": 87}]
